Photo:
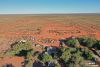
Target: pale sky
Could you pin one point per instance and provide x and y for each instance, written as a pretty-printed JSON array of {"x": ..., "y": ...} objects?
[{"x": 49, "y": 6}]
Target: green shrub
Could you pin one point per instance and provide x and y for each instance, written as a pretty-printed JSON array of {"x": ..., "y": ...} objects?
[
  {"x": 89, "y": 42},
  {"x": 72, "y": 42},
  {"x": 97, "y": 45},
  {"x": 47, "y": 58},
  {"x": 66, "y": 55},
  {"x": 19, "y": 47},
  {"x": 22, "y": 46},
  {"x": 87, "y": 54}
]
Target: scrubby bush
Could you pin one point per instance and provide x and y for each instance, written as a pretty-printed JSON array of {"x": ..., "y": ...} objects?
[
  {"x": 87, "y": 54},
  {"x": 66, "y": 55},
  {"x": 19, "y": 48},
  {"x": 22, "y": 46},
  {"x": 72, "y": 56},
  {"x": 46, "y": 58},
  {"x": 11, "y": 53},
  {"x": 89, "y": 42},
  {"x": 97, "y": 45},
  {"x": 72, "y": 42}
]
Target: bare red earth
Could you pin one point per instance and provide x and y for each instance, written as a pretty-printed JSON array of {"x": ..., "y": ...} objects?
[{"x": 17, "y": 61}]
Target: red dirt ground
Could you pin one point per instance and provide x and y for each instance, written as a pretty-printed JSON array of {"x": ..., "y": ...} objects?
[
  {"x": 17, "y": 61},
  {"x": 59, "y": 31},
  {"x": 55, "y": 32}
]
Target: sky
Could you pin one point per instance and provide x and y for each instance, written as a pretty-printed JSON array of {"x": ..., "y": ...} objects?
[{"x": 49, "y": 6}]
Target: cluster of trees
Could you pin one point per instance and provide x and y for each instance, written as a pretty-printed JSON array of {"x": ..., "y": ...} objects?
[
  {"x": 46, "y": 58},
  {"x": 84, "y": 41},
  {"x": 24, "y": 49},
  {"x": 90, "y": 42},
  {"x": 19, "y": 47},
  {"x": 75, "y": 56},
  {"x": 71, "y": 56}
]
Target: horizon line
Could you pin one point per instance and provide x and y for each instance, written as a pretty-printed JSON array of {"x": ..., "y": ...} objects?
[
  {"x": 52, "y": 14},
  {"x": 57, "y": 13}
]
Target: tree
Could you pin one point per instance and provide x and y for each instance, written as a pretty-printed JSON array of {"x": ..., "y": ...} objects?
[
  {"x": 72, "y": 57},
  {"x": 22, "y": 46},
  {"x": 72, "y": 42},
  {"x": 97, "y": 45},
  {"x": 76, "y": 58},
  {"x": 87, "y": 54},
  {"x": 89, "y": 42},
  {"x": 66, "y": 55},
  {"x": 46, "y": 57}
]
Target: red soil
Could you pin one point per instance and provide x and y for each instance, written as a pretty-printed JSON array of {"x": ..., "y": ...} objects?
[
  {"x": 56, "y": 32},
  {"x": 17, "y": 61},
  {"x": 59, "y": 31}
]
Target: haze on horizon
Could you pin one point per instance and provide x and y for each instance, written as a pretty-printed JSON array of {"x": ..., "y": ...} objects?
[{"x": 49, "y": 6}]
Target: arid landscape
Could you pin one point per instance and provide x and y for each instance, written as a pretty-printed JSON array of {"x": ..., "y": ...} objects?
[{"x": 46, "y": 30}]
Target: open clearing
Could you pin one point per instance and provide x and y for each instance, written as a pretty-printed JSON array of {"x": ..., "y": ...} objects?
[{"x": 52, "y": 27}]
